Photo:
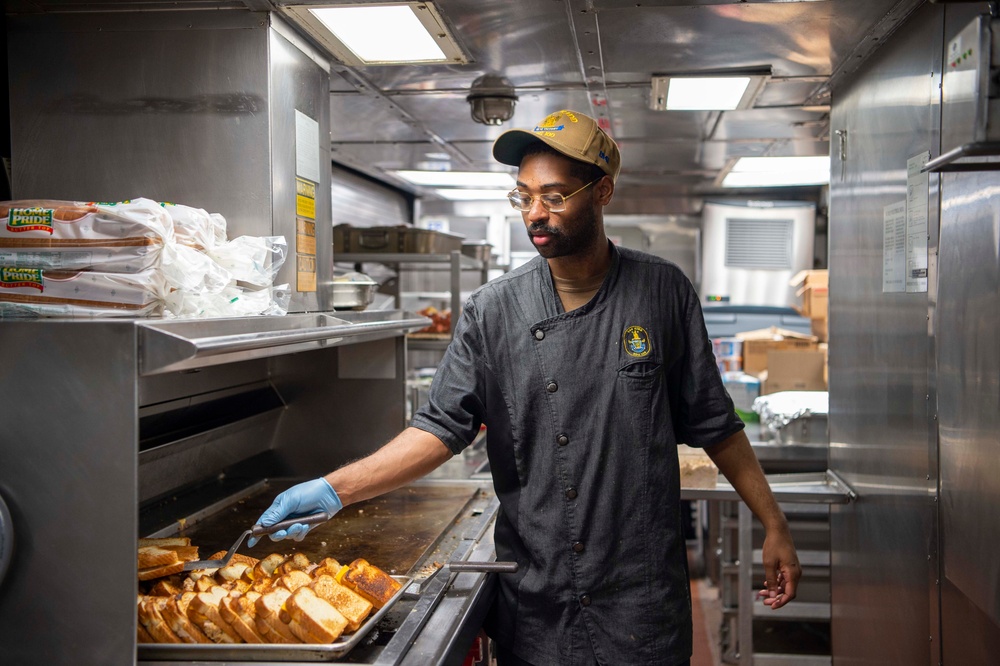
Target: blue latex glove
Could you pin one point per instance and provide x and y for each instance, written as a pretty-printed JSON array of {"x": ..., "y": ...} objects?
[{"x": 302, "y": 500}]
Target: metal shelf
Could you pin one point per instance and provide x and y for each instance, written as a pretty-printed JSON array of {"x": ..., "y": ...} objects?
[{"x": 166, "y": 346}]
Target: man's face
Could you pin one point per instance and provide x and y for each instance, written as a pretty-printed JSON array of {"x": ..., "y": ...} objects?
[{"x": 568, "y": 232}]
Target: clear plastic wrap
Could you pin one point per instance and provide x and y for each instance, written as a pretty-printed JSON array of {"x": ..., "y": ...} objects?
[
  {"x": 187, "y": 269},
  {"x": 124, "y": 237},
  {"x": 32, "y": 292},
  {"x": 254, "y": 260},
  {"x": 233, "y": 301},
  {"x": 194, "y": 227}
]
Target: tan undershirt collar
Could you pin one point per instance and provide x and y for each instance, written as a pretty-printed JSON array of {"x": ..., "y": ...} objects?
[{"x": 576, "y": 293}]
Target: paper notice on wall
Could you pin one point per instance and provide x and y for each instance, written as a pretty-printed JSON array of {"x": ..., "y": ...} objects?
[
  {"x": 916, "y": 223},
  {"x": 306, "y": 147},
  {"x": 894, "y": 247}
]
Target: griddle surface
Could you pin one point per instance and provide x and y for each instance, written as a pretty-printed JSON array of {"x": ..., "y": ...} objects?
[{"x": 391, "y": 531}]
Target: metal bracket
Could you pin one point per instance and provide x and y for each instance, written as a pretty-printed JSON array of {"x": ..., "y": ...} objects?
[{"x": 957, "y": 158}]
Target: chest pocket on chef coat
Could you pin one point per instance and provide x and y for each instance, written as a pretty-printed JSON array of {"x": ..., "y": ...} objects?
[{"x": 639, "y": 399}]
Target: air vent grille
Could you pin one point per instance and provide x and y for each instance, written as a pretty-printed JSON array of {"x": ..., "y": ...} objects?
[{"x": 759, "y": 244}]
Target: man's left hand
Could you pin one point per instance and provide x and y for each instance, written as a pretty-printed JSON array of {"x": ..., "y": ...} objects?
[{"x": 781, "y": 567}]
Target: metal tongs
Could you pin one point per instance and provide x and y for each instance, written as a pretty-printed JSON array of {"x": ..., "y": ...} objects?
[{"x": 257, "y": 531}]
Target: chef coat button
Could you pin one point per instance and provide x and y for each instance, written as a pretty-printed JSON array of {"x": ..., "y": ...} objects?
[
  {"x": 577, "y": 547},
  {"x": 552, "y": 387},
  {"x": 539, "y": 334},
  {"x": 562, "y": 440},
  {"x": 585, "y": 600},
  {"x": 571, "y": 493}
]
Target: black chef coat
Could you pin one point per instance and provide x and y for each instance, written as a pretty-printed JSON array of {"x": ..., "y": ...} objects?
[{"x": 584, "y": 412}]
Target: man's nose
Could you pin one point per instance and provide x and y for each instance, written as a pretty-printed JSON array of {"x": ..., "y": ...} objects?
[{"x": 537, "y": 211}]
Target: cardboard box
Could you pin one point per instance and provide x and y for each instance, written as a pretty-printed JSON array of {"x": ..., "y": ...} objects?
[
  {"x": 821, "y": 329},
  {"x": 757, "y": 344},
  {"x": 813, "y": 287},
  {"x": 795, "y": 371}
]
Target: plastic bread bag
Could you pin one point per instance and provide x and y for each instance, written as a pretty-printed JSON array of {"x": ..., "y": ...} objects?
[
  {"x": 124, "y": 237},
  {"x": 218, "y": 228},
  {"x": 187, "y": 269},
  {"x": 254, "y": 260},
  {"x": 193, "y": 227},
  {"x": 233, "y": 301},
  {"x": 32, "y": 292}
]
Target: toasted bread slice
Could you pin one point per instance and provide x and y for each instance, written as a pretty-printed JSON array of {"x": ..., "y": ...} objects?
[
  {"x": 231, "y": 572},
  {"x": 297, "y": 562},
  {"x": 176, "y": 617},
  {"x": 154, "y": 556},
  {"x": 184, "y": 553},
  {"x": 268, "y": 608},
  {"x": 315, "y": 615},
  {"x": 294, "y": 580},
  {"x": 152, "y": 620},
  {"x": 262, "y": 584},
  {"x": 265, "y": 568},
  {"x": 238, "y": 558},
  {"x": 141, "y": 635},
  {"x": 230, "y": 611},
  {"x": 152, "y": 573},
  {"x": 350, "y": 604},
  {"x": 204, "y": 584},
  {"x": 165, "y": 587},
  {"x": 165, "y": 542},
  {"x": 304, "y": 635},
  {"x": 369, "y": 581},
  {"x": 204, "y": 610},
  {"x": 326, "y": 567}
]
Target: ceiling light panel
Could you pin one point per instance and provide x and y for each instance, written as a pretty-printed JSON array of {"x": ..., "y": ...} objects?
[
  {"x": 481, "y": 179},
  {"x": 778, "y": 172},
  {"x": 457, "y": 194},
  {"x": 706, "y": 93},
  {"x": 398, "y": 33}
]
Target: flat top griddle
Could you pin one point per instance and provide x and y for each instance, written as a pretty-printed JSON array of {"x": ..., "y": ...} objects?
[{"x": 392, "y": 531}]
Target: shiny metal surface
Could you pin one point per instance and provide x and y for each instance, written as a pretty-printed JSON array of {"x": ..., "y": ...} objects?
[
  {"x": 882, "y": 438},
  {"x": 68, "y": 476},
  {"x": 196, "y": 128},
  {"x": 969, "y": 380},
  {"x": 599, "y": 57}
]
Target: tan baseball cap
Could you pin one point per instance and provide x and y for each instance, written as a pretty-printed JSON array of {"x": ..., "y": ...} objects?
[{"x": 571, "y": 133}]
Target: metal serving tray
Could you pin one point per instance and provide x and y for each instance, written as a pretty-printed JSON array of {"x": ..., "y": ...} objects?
[{"x": 269, "y": 652}]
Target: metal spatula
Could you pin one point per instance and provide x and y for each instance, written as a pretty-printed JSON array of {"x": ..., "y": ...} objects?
[{"x": 257, "y": 530}]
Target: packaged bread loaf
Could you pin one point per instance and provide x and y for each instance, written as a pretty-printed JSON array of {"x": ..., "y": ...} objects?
[
  {"x": 124, "y": 237},
  {"x": 32, "y": 292}
]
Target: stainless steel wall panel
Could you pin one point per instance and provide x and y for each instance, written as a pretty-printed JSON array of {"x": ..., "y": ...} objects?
[
  {"x": 881, "y": 363},
  {"x": 364, "y": 203},
  {"x": 118, "y": 110},
  {"x": 195, "y": 108},
  {"x": 68, "y": 422},
  {"x": 296, "y": 83},
  {"x": 969, "y": 374},
  {"x": 331, "y": 420}
]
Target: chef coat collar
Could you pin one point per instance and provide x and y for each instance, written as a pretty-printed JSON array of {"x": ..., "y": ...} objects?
[{"x": 553, "y": 304}]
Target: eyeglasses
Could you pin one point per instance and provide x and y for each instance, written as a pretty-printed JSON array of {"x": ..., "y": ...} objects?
[{"x": 553, "y": 201}]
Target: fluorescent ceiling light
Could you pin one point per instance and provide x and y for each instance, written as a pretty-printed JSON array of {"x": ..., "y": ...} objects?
[
  {"x": 706, "y": 93},
  {"x": 778, "y": 171},
  {"x": 472, "y": 195},
  {"x": 459, "y": 178},
  {"x": 381, "y": 34}
]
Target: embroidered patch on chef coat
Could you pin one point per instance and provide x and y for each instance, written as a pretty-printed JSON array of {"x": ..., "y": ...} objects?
[{"x": 636, "y": 341}]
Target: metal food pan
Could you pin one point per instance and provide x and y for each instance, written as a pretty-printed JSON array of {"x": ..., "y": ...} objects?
[
  {"x": 425, "y": 241},
  {"x": 352, "y": 295},
  {"x": 268, "y": 652},
  {"x": 350, "y": 239}
]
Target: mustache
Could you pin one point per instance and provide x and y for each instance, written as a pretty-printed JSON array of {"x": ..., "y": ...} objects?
[{"x": 536, "y": 229}]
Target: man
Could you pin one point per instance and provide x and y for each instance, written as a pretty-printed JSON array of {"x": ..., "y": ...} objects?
[{"x": 589, "y": 365}]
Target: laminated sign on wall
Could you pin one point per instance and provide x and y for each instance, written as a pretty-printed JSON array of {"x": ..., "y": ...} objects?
[{"x": 306, "y": 179}]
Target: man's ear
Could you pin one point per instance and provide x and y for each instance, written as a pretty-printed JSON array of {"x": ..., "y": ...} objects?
[{"x": 605, "y": 189}]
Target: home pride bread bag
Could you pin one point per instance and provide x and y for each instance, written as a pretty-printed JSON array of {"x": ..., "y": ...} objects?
[{"x": 122, "y": 237}]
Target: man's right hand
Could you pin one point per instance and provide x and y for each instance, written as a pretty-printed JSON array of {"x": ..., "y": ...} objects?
[{"x": 301, "y": 500}]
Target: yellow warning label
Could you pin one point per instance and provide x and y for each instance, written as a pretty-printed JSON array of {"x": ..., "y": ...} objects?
[{"x": 305, "y": 198}]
